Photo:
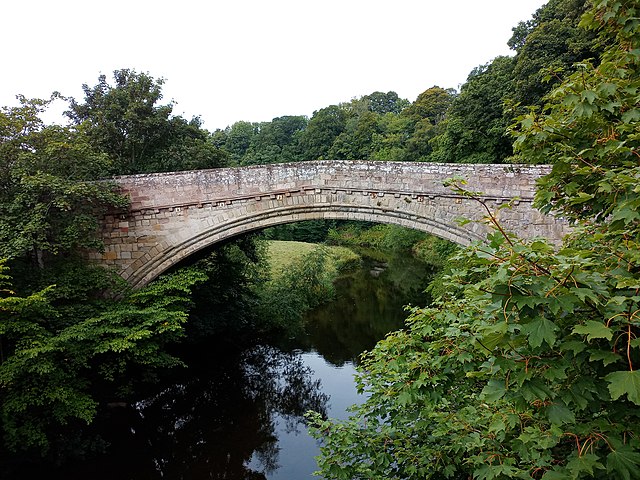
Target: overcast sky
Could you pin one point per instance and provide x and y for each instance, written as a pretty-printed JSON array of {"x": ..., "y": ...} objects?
[{"x": 253, "y": 59}]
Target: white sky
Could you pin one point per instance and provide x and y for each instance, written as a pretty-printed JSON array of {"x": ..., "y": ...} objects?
[{"x": 253, "y": 59}]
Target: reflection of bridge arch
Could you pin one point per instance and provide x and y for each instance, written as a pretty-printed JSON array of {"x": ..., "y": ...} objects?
[{"x": 176, "y": 214}]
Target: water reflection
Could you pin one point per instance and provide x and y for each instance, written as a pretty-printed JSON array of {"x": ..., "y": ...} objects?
[
  {"x": 215, "y": 423},
  {"x": 228, "y": 407},
  {"x": 236, "y": 413},
  {"x": 370, "y": 303}
]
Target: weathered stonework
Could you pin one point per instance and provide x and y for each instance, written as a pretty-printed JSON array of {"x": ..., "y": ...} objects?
[{"x": 173, "y": 215}]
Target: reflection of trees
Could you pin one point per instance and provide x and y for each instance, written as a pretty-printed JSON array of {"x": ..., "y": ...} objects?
[
  {"x": 367, "y": 307},
  {"x": 289, "y": 389},
  {"x": 210, "y": 422},
  {"x": 220, "y": 413}
]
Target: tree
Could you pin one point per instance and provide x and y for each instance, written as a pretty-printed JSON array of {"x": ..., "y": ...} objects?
[
  {"x": 63, "y": 347},
  {"x": 227, "y": 304},
  {"x": 528, "y": 365},
  {"x": 366, "y": 121},
  {"x": 238, "y": 139},
  {"x": 324, "y": 127},
  {"x": 475, "y": 130},
  {"x": 568, "y": 10},
  {"x": 126, "y": 122},
  {"x": 188, "y": 147},
  {"x": 421, "y": 121},
  {"x": 391, "y": 143},
  {"x": 432, "y": 105},
  {"x": 276, "y": 141},
  {"x": 53, "y": 369},
  {"x": 49, "y": 204},
  {"x": 550, "y": 41},
  {"x": 356, "y": 141},
  {"x": 381, "y": 103}
]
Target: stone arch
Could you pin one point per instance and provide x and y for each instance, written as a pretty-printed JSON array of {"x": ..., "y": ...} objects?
[
  {"x": 173, "y": 215},
  {"x": 171, "y": 254}
]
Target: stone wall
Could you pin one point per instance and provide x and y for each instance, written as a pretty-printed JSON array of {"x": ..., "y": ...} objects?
[{"x": 173, "y": 215}]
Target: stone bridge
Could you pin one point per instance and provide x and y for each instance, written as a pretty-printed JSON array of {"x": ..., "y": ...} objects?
[{"x": 173, "y": 215}]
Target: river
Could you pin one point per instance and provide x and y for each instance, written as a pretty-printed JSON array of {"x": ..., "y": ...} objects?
[{"x": 238, "y": 411}]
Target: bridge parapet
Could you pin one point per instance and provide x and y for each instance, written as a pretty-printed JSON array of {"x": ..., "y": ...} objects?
[
  {"x": 205, "y": 186},
  {"x": 173, "y": 215}
]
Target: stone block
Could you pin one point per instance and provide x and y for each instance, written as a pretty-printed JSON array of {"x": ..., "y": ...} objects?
[{"x": 109, "y": 255}]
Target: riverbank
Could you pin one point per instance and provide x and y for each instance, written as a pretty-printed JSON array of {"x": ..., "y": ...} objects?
[{"x": 283, "y": 254}]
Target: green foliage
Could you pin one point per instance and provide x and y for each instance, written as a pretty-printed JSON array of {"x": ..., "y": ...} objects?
[
  {"x": 51, "y": 368},
  {"x": 304, "y": 284},
  {"x": 475, "y": 127},
  {"x": 391, "y": 144},
  {"x": 426, "y": 119},
  {"x": 550, "y": 41},
  {"x": 324, "y": 127},
  {"x": 441, "y": 125},
  {"x": 48, "y": 203},
  {"x": 383, "y": 103},
  {"x": 434, "y": 251},
  {"x": 74, "y": 335},
  {"x": 227, "y": 302},
  {"x": 431, "y": 105},
  {"x": 380, "y": 237},
  {"x": 310, "y": 231},
  {"x": 256, "y": 287},
  {"x": 527, "y": 367},
  {"x": 374, "y": 126},
  {"x": 356, "y": 141},
  {"x": 595, "y": 174},
  {"x": 282, "y": 254},
  {"x": 475, "y": 130},
  {"x": 275, "y": 142},
  {"x": 125, "y": 121},
  {"x": 525, "y": 372},
  {"x": 237, "y": 140}
]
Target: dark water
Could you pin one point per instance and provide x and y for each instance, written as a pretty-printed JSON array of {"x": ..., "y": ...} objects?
[{"x": 238, "y": 411}]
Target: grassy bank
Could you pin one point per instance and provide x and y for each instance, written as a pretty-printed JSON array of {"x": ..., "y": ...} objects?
[
  {"x": 392, "y": 238},
  {"x": 302, "y": 276},
  {"x": 284, "y": 254}
]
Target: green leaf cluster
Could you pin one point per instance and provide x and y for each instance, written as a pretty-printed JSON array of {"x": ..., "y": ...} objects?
[
  {"x": 305, "y": 283},
  {"x": 49, "y": 202},
  {"x": 442, "y": 125},
  {"x": 125, "y": 121},
  {"x": 378, "y": 126},
  {"x": 54, "y": 371},
  {"x": 74, "y": 336}
]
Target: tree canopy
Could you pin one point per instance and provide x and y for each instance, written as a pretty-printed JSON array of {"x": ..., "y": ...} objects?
[
  {"x": 126, "y": 121},
  {"x": 48, "y": 201},
  {"x": 441, "y": 125},
  {"x": 70, "y": 332}
]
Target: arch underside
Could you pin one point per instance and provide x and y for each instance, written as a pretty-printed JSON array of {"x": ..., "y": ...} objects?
[{"x": 241, "y": 224}]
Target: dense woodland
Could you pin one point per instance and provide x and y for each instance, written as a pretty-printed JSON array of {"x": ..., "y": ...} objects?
[
  {"x": 525, "y": 367},
  {"x": 441, "y": 125}
]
